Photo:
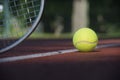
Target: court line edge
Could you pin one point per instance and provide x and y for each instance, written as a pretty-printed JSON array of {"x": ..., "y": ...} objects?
[
  {"x": 23, "y": 57},
  {"x": 30, "y": 56}
]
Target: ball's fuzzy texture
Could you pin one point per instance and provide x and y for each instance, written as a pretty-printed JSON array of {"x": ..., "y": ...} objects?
[{"x": 85, "y": 39}]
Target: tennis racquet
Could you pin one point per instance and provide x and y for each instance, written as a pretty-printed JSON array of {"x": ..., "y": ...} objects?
[{"x": 18, "y": 19}]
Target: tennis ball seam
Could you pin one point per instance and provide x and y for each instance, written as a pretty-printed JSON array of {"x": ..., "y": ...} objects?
[{"x": 86, "y": 42}]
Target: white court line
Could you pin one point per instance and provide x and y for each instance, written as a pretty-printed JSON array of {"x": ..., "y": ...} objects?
[
  {"x": 31, "y": 56},
  {"x": 23, "y": 57},
  {"x": 108, "y": 45}
]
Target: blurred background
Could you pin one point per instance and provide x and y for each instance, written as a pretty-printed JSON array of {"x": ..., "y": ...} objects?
[{"x": 61, "y": 18}]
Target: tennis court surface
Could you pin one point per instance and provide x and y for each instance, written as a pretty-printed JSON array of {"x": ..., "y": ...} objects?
[{"x": 56, "y": 59}]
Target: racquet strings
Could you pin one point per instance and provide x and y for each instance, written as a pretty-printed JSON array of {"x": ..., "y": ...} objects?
[{"x": 17, "y": 18}]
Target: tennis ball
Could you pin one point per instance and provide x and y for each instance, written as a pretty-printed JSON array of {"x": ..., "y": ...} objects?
[{"x": 85, "y": 39}]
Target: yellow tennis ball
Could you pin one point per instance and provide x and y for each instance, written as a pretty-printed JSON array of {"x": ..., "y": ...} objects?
[{"x": 85, "y": 39}]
